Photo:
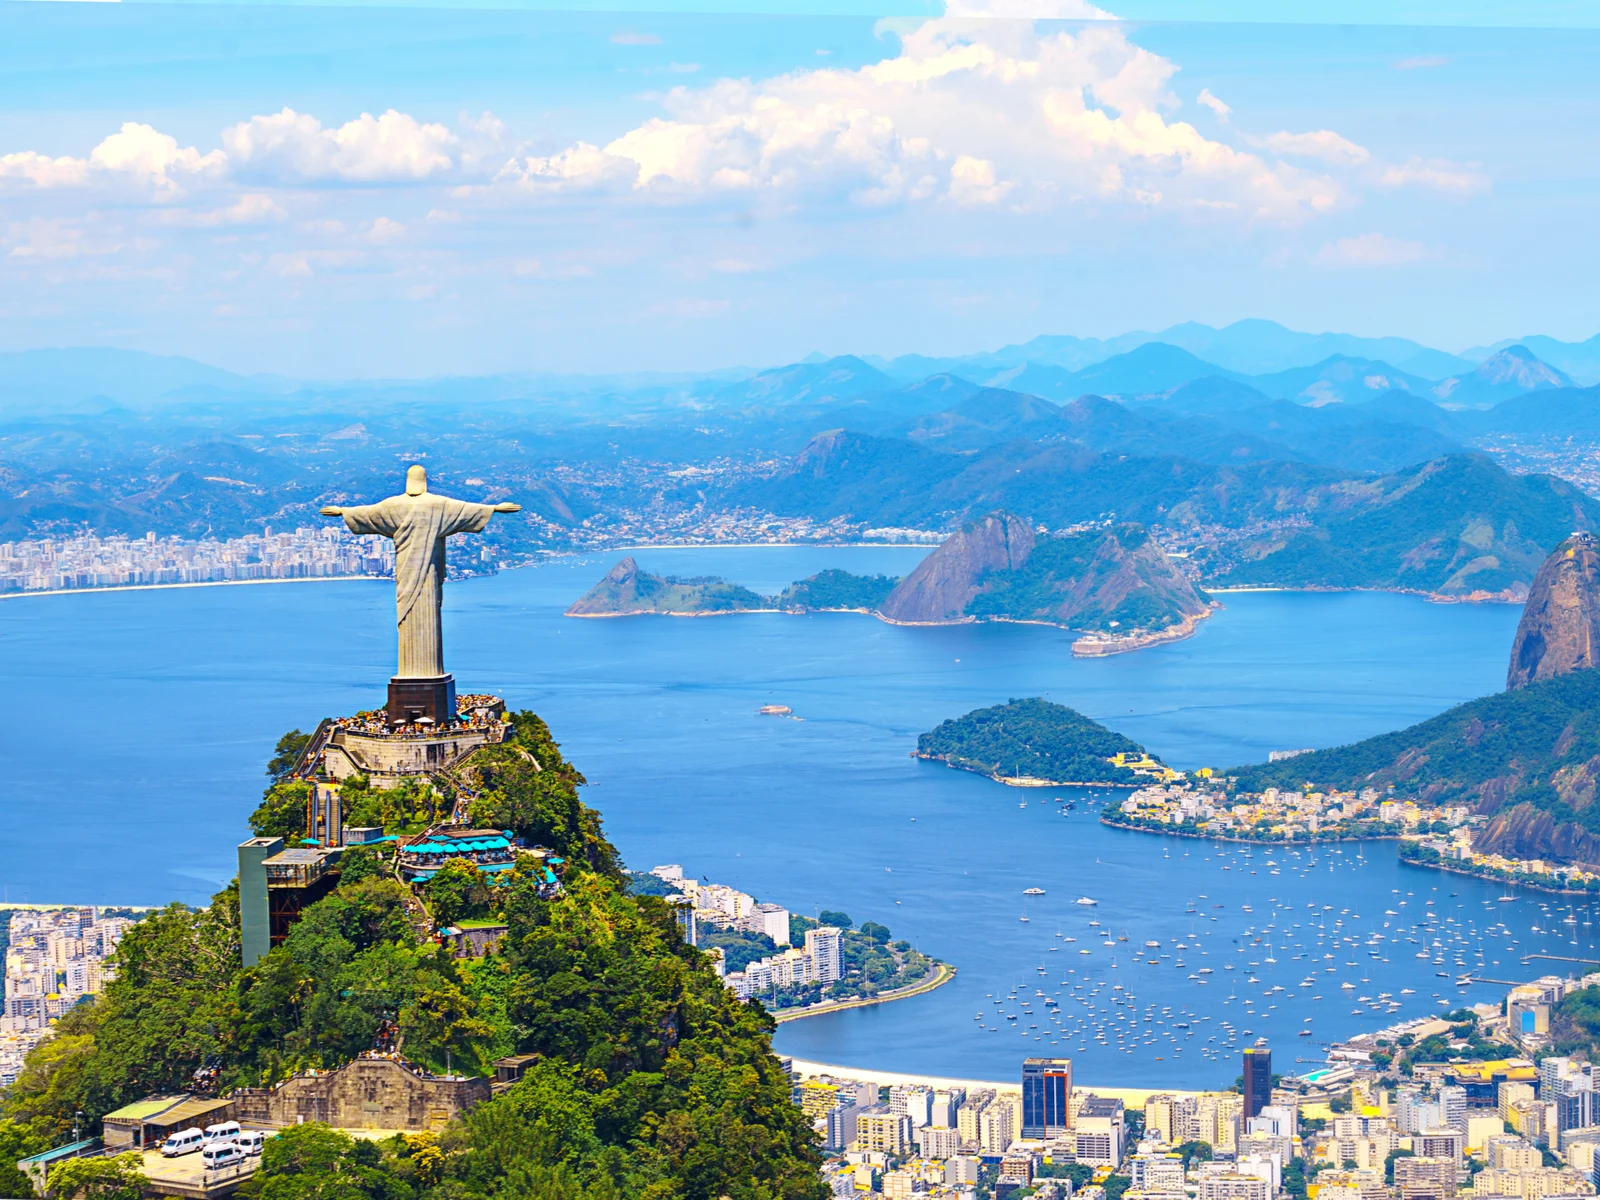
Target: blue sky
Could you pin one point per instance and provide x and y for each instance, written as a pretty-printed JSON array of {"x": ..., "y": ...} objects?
[{"x": 323, "y": 190}]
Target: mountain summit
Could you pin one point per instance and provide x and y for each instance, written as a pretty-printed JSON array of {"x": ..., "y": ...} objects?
[{"x": 1560, "y": 624}]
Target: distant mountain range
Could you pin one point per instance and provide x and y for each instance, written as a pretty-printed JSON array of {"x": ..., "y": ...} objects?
[{"x": 1306, "y": 460}]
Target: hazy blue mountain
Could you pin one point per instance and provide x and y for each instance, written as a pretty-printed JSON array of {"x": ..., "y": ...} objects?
[
  {"x": 1406, "y": 408},
  {"x": 986, "y": 416},
  {"x": 1112, "y": 428},
  {"x": 1208, "y": 397},
  {"x": 1457, "y": 526},
  {"x": 100, "y": 377},
  {"x": 1571, "y": 411},
  {"x": 1504, "y": 374},
  {"x": 807, "y": 383},
  {"x": 1581, "y": 360},
  {"x": 1353, "y": 437},
  {"x": 1249, "y": 347},
  {"x": 1257, "y": 347},
  {"x": 1150, "y": 369},
  {"x": 1339, "y": 379}
]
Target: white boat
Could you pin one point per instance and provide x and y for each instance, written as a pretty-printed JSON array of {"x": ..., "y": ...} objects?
[
  {"x": 1086, "y": 900},
  {"x": 1033, "y": 891}
]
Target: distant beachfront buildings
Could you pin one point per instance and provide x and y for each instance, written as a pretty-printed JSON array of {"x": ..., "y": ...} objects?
[
  {"x": 55, "y": 957},
  {"x": 42, "y": 564},
  {"x": 819, "y": 960}
]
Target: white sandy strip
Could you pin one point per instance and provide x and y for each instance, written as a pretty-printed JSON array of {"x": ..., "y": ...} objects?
[
  {"x": 1131, "y": 1097},
  {"x": 162, "y": 587}
]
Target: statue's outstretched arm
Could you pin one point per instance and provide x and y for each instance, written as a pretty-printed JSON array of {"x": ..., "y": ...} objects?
[
  {"x": 332, "y": 510},
  {"x": 506, "y": 506}
]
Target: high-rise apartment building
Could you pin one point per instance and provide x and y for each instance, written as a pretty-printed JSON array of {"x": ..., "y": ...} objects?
[
  {"x": 1046, "y": 1097},
  {"x": 822, "y": 944},
  {"x": 1257, "y": 1080}
]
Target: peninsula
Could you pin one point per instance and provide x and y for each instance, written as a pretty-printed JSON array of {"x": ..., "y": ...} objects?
[
  {"x": 1111, "y": 583},
  {"x": 1034, "y": 743}
]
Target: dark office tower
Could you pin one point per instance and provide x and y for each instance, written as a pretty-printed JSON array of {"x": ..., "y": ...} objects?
[
  {"x": 1257, "y": 1080},
  {"x": 1046, "y": 1097}
]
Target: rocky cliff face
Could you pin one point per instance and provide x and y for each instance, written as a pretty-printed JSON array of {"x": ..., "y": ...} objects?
[
  {"x": 617, "y": 591},
  {"x": 945, "y": 582},
  {"x": 1528, "y": 832},
  {"x": 1560, "y": 627},
  {"x": 1114, "y": 581}
]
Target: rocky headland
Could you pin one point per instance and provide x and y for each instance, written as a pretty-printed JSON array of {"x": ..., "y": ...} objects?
[
  {"x": 1560, "y": 627},
  {"x": 1113, "y": 582}
]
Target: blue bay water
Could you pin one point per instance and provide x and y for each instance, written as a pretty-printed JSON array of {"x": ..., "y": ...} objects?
[{"x": 138, "y": 725}]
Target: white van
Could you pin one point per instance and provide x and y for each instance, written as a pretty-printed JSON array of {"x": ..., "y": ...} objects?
[
  {"x": 185, "y": 1141},
  {"x": 251, "y": 1141},
  {"x": 225, "y": 1132},
  {"x": 220, "y": 1154}
]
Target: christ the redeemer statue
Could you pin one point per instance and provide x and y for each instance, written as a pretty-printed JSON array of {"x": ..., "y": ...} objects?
[{"x": 419, "y": 522}]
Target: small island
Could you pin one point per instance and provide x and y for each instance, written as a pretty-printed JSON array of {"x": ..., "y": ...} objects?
[
  {"x": 1034, "y": 743},
  {"x": 629, "y": 591}
]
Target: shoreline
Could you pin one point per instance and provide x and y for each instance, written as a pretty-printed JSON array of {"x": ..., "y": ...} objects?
[
  {"x": 1430, "y": 597},
  {"x": 1101, "y": 645},
  {"x": 1488, "y": 877},
  {"x": 1026, "y": 781},
  {"x": 162, "y": 587},
  {"x": 942, "y": 976},
  {"x": 1133, "y": 1097},
  {"x": 1219, "y": 837}
]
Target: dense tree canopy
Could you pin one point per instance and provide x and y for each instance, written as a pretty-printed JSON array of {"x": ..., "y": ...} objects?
[{"x": 651, "y": 1081}]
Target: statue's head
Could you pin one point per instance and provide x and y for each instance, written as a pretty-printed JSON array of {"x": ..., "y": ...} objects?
[{"x": 416, "y": 480}]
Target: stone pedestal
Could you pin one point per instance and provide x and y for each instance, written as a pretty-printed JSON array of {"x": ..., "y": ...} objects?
[{"x": 412, "y": 699}]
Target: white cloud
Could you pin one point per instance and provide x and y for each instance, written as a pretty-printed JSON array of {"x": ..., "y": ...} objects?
[
  {"x": 152, "y": 157},
  {"x": 1322, "y": 144},
  {"x": 972, "y": 181},
  {"x": 136, "y": 153},
  {"x": 1371, "y": 250},
  {"x": 289, "y": 145},
  {"x": 44, "y": 171},
  {"x": 1217, "y": 106},
  {"x": 627, "y": 37},
  {"x": 45, "y": 238},
  {"x": 1434, "y": 173},
  {"x": 385, "y": 230},
  {"x": 1421, "y": 62},
  {"x": 1053, "y": 112},
  {"x": 252, "y": 208}
]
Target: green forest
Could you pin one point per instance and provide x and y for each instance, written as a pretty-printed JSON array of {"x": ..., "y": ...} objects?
[
  {"x": 1531, "y": 746},
  {"x": 1062, "y": 580},
  {"x": 833, "y": 589},
  {"x": 652, "y": 1080},
  {"x": 1033, "y": 739}
]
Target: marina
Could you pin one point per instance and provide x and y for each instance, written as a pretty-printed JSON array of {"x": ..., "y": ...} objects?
[{"x": 809, "y": 812}]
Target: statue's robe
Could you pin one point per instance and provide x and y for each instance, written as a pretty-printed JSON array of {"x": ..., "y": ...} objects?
[{"x": 419, "y": 526}]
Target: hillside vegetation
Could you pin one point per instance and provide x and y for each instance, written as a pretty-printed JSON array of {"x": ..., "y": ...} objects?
[
  {"x": 652, "y": 1079},
  {"x": 1032, "y": 739},
  {"x": 629, "y": 590},
  {"x": 1531, "y": 757}
]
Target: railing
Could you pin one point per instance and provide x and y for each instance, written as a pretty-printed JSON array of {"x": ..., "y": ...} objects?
[{"x": 211, "y": 1177}]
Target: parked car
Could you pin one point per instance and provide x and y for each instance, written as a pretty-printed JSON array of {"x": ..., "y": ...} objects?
[
  {"x": 250, "y": 1141},
  {"x": 225, "y": 1132}
]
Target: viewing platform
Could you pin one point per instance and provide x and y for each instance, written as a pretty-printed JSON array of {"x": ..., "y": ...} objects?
[{"x": 366, "y": 743}]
